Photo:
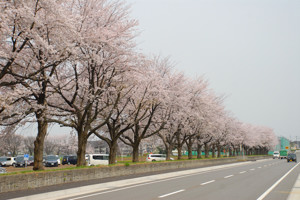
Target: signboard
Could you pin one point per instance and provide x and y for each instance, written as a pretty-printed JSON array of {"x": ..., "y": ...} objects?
[
  {"x": 286, "y": 147},
  {"x": 26, "y": 156}
]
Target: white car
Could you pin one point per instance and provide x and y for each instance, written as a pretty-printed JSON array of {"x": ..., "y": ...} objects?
[
  {"x": 58, "y": 159},
  {"x": 7, "y": 161},
  {"x": 156, "y": 157},
  {"x": 276, "y": 154},
  {"x": 97, "y": 159}
]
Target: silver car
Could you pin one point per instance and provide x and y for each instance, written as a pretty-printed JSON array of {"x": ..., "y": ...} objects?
[{"x": 2, "y": 170}]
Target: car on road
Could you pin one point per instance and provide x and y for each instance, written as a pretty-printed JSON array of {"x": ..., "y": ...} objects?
[
  {"x": 291, "y": 157},
  {"x": 51, "y": 161},
  {"x": 156, "y": 157},
  {"x": 2, "y": 170},
  {"x": 67, "y": 160},
  {"x": 276, "y": 154}
]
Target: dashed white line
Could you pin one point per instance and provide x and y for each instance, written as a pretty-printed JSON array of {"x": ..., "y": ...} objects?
[
  {"x": 252, "y": 169},
  {"x": 259, "y": 167},
  {"x": 207, "y": 182},
  {"x": 243, "y": 172},
  {"x": 165, "y": 195},
  {"x": 228, "y": 176}
]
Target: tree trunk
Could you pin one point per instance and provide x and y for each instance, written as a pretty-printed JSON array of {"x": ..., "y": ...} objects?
[
  {"x": 135, "y": 152},
  {"x": 179, "y": 148},
  {"x": 169, "y": 149},
  {"x": 82, "y": 142},
  {"x": 230, "y": 152},
  {"x": 190, "y": 151},
  {"x": 206, "y": 149},
  {"x": 113, "y": 152},
  {"x": 213, "y": 151},
  {"x": 39, "y": 142},
  {"x": 199, "y": 148},
  {"x": 219, "y": 150}
]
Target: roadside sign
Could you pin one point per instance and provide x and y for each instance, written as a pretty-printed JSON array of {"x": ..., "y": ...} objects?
[
  {"x": 286, "y": 147},
  {"x": 26, "y": 156}
]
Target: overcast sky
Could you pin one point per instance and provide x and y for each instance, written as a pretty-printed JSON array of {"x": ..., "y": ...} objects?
[{"x": 249, "y": 50}]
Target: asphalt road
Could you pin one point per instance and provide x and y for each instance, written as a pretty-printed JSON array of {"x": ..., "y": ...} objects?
[{"x": 265, "y": 179}]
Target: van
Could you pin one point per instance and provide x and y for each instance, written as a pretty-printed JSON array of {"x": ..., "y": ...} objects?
[
  {"x": 276, "y": 154},
  {"x": 156, "y": 157},
  {"x": 97, "y": 159}
]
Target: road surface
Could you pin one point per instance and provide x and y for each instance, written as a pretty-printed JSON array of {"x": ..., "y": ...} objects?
[{"x": 263, "y": 179}]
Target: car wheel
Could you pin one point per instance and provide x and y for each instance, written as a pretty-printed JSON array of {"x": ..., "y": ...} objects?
[
  {"x": 14, "y": 164},
  {"x": 153, "y": 160},
  {"x": 69, "y": 163}
]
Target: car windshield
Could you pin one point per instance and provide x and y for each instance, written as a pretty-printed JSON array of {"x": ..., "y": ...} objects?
[
  {"x": 292, "y": 155},
  {"x": 20, "y": 158},
  {"x": 2, "y": 159},
  {"x": 51, "y": 158}
]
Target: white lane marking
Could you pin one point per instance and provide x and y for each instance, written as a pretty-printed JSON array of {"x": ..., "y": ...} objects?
[
  {"x": 162, "y": 196},
  {"x": 252, "y": 169},
  {"x": 295, "y": 192},
  {"x": 265, "y": 165},
  {"x": 228, "y": 176},
  {"x": 275, "y": 184},
  {"x": 207, "y": 182},
  {"x": 243, "y": 172},
  {"x": 259, "y": 167}
]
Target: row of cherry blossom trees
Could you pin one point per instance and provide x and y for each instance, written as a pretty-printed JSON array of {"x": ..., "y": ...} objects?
[{"x": 75, "y": 63}]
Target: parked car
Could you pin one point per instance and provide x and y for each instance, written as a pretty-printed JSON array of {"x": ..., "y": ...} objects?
[
  {"x": 291, "y": 157},
  {"x": 2, "y": 161},
  {"x": 276, "y": 154},
  {"x": 7, "y": 161},
  {"x": 51, "y": 161},
  {"x": 30, "y": 161},
  {"x": 69, "y": 160},
  {"x": 58, "y": 159},
  {"x": 2, "y": 170},
  {"x": 97, "y": 159},
  {"x": 20, "y": 162},
  {"x": 156, "y": 157}
]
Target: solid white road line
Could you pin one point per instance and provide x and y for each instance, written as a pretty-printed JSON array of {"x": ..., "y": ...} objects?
[
  {"x": 171, "y": 194},
  {"x": 243, "y": 172},
  {"x": 207, "y": 182},
  {"x": 295, "y": 193},
  {"x": 228, "y": 176},
  {"x": 275, "y": 184}
]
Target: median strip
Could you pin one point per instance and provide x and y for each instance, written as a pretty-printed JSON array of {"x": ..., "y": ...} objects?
[{"x": 170, "y": 193}]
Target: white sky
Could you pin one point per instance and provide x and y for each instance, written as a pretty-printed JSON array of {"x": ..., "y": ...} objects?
[{"x": 249, "y": 50}]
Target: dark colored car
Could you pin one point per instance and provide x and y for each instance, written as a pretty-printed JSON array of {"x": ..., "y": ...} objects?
[
  {"x": 51, "y": 161},
  {"x": 291, "y": 157},
  {"x": 30, "y": 161},
  {"x": 20, "y": 162},
  {"x": 67, "y": 160}
]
